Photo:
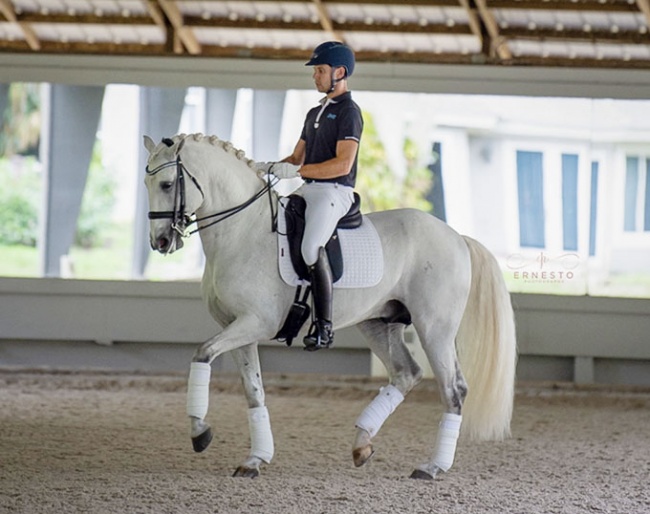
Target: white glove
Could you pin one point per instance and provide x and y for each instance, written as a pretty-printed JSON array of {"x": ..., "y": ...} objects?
[
  {"x": 263, "y": 168},
  {"x": 284, "y": 170}
]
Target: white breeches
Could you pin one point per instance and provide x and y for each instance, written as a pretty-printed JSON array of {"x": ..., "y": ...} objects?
[{"x": 327, "y": 203}]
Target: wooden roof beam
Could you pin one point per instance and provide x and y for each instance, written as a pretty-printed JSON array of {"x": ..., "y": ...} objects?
[
  {"x": 475, "y": 24},
  {"x": 498, "y": 44},
  {"x": 419, "y": 3},
  {"x": 485, "y": 28},
  {"x": 184, "y": 33},
  {"x": 564, "y": 5},
  {"x": 157, "y": 17},
  {"x": 326, "y": 21},
  {"x": 644, "y": 7},
  {"x": 348, "y": 26},
  {"x": 156, "y": 13},
  {"x": 622, "y": 37},
  {"x": 8, "y": 11}
]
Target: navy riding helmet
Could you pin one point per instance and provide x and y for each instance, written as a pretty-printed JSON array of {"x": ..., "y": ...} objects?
[{"x": 335, "y": 54}]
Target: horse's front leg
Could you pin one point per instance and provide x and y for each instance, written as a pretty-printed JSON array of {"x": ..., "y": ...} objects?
[
  {"x": 235, "y": 336},
  {"x": 248, "y": 362}
]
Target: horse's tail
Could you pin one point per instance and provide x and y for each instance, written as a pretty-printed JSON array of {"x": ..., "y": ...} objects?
[{"x": 487, "y": 349}]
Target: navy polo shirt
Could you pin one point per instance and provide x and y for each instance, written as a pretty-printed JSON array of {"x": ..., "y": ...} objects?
[{"x": 336, "y": 119}]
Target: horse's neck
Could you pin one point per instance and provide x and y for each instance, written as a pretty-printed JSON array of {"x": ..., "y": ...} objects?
[{"x": 225, "y": 188}]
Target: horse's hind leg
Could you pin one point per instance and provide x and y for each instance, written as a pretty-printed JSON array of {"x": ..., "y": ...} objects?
[
  {"x": 386, "y": 340},
  {"x": 247, "y": 360},
  {"x": 439, "y": 346}
]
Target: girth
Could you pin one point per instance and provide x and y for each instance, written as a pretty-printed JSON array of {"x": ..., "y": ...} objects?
[{"x": 295, "y": 219}]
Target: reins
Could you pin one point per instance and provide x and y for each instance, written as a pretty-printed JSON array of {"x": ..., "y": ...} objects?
[
  {"x": 179, "y": 215},
  {"x": 227, "y": 213}
]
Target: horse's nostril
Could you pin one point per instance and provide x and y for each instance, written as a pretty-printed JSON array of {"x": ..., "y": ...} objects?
[{"x": 163, "y": 243}]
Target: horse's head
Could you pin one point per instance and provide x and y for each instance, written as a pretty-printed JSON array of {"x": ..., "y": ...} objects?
[{"x": 174, "y": 194}]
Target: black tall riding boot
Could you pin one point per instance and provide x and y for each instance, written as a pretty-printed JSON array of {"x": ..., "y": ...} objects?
[{"x": 320, "y": 334}]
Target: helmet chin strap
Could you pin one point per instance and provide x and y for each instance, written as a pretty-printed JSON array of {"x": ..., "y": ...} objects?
[{"x": 334, "y": 81}]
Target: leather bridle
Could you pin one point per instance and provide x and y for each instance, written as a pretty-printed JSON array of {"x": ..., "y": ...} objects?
[{"x": 181, "y": 219}]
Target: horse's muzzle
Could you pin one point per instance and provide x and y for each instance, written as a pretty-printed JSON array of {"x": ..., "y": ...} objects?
[{"x": 166, "y": 243}]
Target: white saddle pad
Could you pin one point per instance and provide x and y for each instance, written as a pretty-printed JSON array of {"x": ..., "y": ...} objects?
[{"x": 363, "y": 257}]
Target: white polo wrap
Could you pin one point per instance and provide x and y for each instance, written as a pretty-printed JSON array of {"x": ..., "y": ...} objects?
[
  {"x": 259, "y": 424},
  {"x": 198, "y": 389},
  {"x": 382, "y": 406},
  {"x": 448, "y": 433}
]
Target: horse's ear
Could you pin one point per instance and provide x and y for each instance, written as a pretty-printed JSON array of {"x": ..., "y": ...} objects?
[{"x": 149, "y": 144}]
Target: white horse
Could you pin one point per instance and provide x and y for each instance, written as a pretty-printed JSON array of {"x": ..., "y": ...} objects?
[{"x": 450, "y": 287}]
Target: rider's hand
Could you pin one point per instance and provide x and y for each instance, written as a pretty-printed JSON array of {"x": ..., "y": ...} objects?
[
  {"x": 284, "y": 170},
  {"x": 263, "y": 168}
]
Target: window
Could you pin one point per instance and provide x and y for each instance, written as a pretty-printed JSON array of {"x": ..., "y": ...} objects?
[
  {"x": 646, "y": 199},
  {"x": 593, "y": 208},
  {"x": 570, "y": 201},
  {"x": 530, "y": 189},
  {"x": 636, "y": 215}
]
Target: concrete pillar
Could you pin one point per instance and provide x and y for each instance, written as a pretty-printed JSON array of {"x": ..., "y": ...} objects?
[
  {"x": 4, "y": 101},
  {"x": 583, "y": 370},
  {"x": 268, "y": 107},
  {"x": 160, "y": 116},
  {"x": 69, "y": 127},
  {"x": 220, "y": 112}
]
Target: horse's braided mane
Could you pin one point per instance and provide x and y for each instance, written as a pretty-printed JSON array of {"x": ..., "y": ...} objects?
[{"x": 227, "y": 146}]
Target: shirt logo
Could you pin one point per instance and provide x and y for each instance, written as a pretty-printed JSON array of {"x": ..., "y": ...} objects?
[{"x": 331, "y": 116}]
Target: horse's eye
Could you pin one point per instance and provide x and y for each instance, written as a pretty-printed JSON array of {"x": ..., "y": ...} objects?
[{"x": 166, "y": 186}]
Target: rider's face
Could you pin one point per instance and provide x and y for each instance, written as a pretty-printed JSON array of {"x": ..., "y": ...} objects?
[{"x": 322, "y": 77}]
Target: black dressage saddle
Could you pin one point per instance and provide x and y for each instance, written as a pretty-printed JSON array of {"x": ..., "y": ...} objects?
[{"x": 295, "y": 222}]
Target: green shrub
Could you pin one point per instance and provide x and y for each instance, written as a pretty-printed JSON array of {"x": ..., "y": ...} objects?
[
  {"x": 380, "y": 189},
  {"x": 19, "y": 200}
]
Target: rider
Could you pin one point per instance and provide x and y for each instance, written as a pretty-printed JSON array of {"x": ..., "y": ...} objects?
[{"x": 326, "y": 154}]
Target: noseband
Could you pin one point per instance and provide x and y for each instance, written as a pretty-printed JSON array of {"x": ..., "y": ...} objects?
[{"x": 180, "y": 219}]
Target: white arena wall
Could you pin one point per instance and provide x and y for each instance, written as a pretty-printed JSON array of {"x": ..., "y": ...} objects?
[{"x": 71, "y": 325}]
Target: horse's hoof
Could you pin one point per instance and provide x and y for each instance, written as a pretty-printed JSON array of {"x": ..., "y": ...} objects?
[
  {"x": 362, "y": 455},
  {"x": 202, "y": 441},
  {"x": 245, "y": 472},
  {"x": 418, "y": 474}
]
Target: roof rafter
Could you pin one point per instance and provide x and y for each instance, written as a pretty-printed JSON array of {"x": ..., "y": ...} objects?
[
  {"x": 488, "y": 32},
  {"x": 50, "y": 47},
  {"x": 184, "y": 33},
  {"x": 626, "y": 37},
  {"x": 155, "y": 12},
  {"x": 93, "y": 19},
  {"x": 337, "y": 26},
  {"x": 326, "y": 21},
  {"x": 564, "y": 5},
  {"x": 9, "y": 13},
  {"x": 193, "y": 21},
  {"x": 476, "y": 26},
  {"x": 485, "y": 27},
  {"x": 429, "y": 3},
  {"x": 644, "y": 7}
]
